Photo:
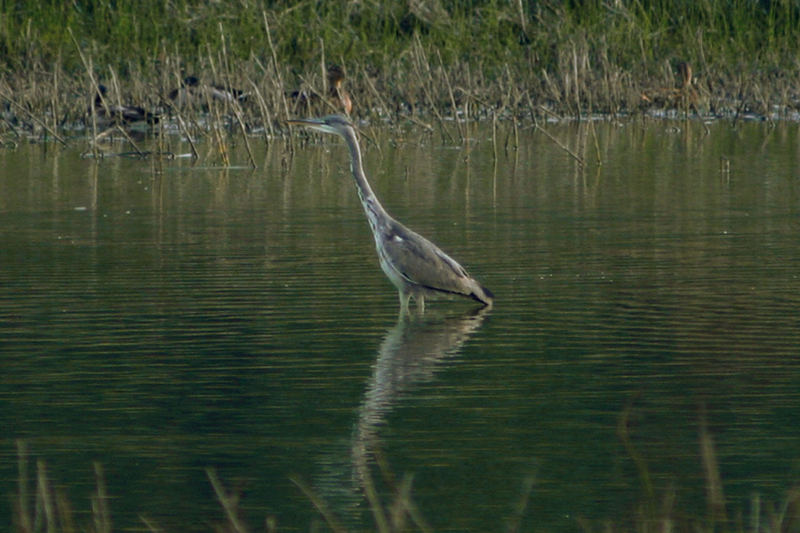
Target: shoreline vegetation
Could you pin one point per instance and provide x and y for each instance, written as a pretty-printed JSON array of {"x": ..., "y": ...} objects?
[{"x": 426, "y": 61}]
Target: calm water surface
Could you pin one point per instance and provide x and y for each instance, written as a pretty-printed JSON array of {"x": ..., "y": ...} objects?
[{"x": 163, "y": 324}]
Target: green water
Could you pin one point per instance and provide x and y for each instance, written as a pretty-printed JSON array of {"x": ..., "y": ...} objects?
[{"x": 165, "y": 323}]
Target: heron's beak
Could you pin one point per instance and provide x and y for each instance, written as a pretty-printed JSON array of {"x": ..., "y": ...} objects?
[
  {"x": 305, "y": 121},
  {"x": 316, "y": 124}
]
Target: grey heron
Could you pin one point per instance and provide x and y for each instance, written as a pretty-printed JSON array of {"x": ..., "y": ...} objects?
[{"x": 416, "y": 266}]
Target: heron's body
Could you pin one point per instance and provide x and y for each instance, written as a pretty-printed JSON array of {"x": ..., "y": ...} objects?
[{"x": 416, "y": 266}]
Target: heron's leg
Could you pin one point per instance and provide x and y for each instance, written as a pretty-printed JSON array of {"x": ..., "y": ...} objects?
[
  {"x": 404, "y": 299},
  {"x": 420, "y": 303}
]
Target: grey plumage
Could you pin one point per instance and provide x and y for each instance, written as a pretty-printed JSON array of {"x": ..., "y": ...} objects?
[{"x": 416, "y": 266}]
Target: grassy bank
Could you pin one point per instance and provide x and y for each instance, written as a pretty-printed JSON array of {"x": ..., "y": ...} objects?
[{"x": 423, "y": 58}]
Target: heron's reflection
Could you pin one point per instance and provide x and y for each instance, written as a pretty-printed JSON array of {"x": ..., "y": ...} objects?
[{"x": 410, "y": 354}]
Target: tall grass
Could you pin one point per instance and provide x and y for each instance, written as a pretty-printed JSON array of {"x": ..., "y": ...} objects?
[
  {"x": 39, "y": 503},
  {"x": 473, "y": 59}
]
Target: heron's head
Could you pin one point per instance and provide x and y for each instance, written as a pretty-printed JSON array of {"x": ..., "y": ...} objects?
[{"x": 337, "y": 124}]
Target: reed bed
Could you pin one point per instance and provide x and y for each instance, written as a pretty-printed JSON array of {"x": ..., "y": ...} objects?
[{"x": 428, "y": 60}]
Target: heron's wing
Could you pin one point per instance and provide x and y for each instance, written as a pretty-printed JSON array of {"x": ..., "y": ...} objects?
[{"x": 422, "y": 263}]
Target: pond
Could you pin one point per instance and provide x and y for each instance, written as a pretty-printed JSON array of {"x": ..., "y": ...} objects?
[{"x": 167, "y": 320}]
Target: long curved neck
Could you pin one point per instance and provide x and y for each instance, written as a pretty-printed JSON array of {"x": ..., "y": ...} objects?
[{"x": 372, "y": 206}]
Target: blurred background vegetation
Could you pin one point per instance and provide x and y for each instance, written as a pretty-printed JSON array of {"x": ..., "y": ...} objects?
[{"x": 574, "y": 57}]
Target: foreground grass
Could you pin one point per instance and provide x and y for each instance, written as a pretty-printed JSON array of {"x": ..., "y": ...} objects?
[
  {"x": 427, "y": 58},
  {"x": 40, "y": 506}
]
